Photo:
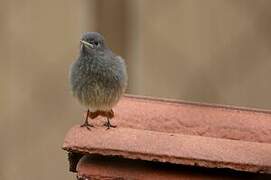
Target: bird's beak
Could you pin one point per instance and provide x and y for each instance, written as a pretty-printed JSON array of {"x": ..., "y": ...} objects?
[{"x": 86, "y": 44}]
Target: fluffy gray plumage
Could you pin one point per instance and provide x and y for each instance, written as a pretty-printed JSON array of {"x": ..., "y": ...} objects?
[{"x": 98, "y": 77}]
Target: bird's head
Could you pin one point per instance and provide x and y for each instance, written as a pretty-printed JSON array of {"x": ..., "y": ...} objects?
[{"x": 92, "y": 42}]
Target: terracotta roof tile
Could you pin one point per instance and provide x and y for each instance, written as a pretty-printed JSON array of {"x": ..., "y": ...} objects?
[
  {"x": 182, "y": 133},
  {"x": 104, "y": 167},
  {"x": 194, "y": 119},
  {"x": 170, "y": 147}
]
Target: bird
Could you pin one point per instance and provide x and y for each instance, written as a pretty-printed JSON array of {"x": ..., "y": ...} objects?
[{"x": 98, "y": 78}]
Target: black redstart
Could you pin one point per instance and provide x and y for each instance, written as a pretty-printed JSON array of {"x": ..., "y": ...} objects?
[{"x": 98, "y": 78}]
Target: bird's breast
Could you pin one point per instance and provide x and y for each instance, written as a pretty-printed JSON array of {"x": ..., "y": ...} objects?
[{"x": 97, "y": 84}]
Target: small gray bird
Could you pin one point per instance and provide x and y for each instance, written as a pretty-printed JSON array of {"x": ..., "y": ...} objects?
[{"x": 98, "y": 78}]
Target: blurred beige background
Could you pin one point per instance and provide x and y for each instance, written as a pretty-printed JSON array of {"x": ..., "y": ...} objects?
[{"x": 216, "y": 51}]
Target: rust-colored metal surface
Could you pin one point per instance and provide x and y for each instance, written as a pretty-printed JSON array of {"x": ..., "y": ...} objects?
[
  {"x": 171, "y": 147},
  {"x": 181, "y": 132},
  {"x": 97, "y": 167}
]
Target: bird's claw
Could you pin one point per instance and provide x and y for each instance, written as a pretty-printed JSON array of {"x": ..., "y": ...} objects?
[
  {"x": 87, "y": 125},
  {"x": 109, "y": 125}
]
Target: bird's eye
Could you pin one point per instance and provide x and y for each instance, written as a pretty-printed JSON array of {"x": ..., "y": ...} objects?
[{"x": 96, "y": 43}]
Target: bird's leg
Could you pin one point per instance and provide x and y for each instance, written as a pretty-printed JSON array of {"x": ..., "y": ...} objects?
[
  {"x": 109, "y": 115},
  {"x": 108, "y": 124},
  {"x": 86, "y": 123}
]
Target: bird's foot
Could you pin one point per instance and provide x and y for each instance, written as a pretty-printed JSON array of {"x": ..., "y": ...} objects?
[
  {"x": 109, "y": 125},
  {"x": 87, "y": 125}
]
